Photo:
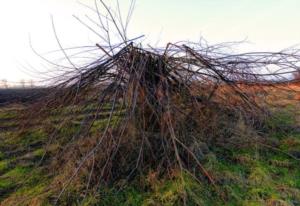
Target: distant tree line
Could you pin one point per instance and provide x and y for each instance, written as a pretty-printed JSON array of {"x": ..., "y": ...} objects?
[{"x": 4, "y": 84}]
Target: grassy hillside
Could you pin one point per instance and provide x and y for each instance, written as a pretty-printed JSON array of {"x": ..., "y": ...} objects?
[{"x": 266, "y": 172}]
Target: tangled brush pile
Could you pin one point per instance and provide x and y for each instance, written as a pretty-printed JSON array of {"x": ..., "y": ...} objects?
[{"x": 162, "y": 106}]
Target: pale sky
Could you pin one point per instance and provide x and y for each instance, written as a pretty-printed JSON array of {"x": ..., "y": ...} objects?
[{"x": 265, "y": 24}]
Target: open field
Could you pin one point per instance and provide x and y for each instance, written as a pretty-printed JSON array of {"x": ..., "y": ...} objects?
[{"x": 8, "y": 96}]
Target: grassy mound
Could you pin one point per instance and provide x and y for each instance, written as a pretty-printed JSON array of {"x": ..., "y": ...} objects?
[{"x": 245, "y": 172}]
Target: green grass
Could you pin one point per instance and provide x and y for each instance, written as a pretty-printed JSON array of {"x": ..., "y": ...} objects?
[
  {"x": 17, "y": 173},
  {"x": 6, "y": 185},
  {"x": 4, "y": 165},
  {"x": 8, "y": 114},
  {"x": 252, "y": 181},
  {"x": 19, "y": 178},
  {"x": 39, "y": 152},
  {"x": 243, "y": 176},
  {"x": 33, "y": 136}
]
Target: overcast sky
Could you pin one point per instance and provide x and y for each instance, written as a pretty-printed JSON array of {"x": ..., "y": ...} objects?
[{"x": 265, "y": 24}]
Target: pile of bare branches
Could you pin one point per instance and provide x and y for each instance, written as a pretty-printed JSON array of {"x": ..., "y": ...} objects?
[{"x": 162, "y": 104}]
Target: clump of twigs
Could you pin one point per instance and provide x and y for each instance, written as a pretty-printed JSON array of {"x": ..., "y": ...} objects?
[{"x": 160, "y": 104}]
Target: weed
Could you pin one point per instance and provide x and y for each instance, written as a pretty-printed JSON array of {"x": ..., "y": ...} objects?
[{"x": 4, "y": 165}]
